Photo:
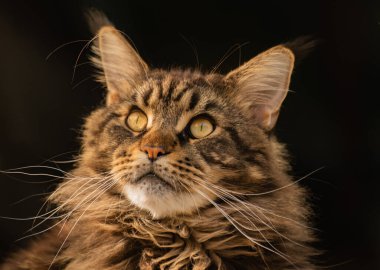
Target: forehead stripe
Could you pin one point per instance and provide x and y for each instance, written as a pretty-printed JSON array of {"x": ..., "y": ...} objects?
[
  {"x": 211, "y": 105},
  {"x": 160, "y": 90},
  {"x": 170, "y": 90},
  {"x": 147, "y": 96},
  {"x": 182, "y": 92},
  {"x": 193, "y": 101}
]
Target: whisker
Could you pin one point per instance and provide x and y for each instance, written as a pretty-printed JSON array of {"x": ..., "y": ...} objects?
[
  {"x": 65, "y": 161},
  {"x": 81, "y": 82},
  {"x": 34, "y": 174},
  {"x": 63, "y": 45},
  {"x": 235, "y": 224},
  {"x": 80, "y": 53},
  {"x": 85, "y": 200},
  {"x": 79, "y": 191},
  {"x": 36, "y": 167},
  {"x": 40, "y": 232},
  {"x": 250, "y": 221},
  {"x": 110, "y": 207},
  {"x": 192, "y": 46},
  {"x": 76, "y": 222},
  {"x": 59, "y": 155},
  {"x": 229, "y": 52},
  {"x": 273, "y": 190},
  {"x": 248, "y": 207},
  {"x": 192, "y": 197},
  {"x": 286, "y": 186},
  {"x": 29, "y": 197}
]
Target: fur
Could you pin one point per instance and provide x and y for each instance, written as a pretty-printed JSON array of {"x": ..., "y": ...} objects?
[{"x": 225, "y": 201}]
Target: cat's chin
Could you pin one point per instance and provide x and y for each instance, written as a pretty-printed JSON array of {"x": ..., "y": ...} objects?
[{"x": 161, "y": 200}]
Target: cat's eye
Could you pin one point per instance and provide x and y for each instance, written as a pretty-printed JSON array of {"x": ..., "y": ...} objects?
[
  {"x": 137, "y": 120},
  {"x": 201, "y": 127}
]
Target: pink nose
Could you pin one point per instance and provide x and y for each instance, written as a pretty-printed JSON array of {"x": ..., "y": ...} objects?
[{"x": 153, "y": 151}]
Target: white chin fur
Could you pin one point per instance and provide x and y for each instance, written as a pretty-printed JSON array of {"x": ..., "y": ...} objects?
[{"x": 162, "y": 202}]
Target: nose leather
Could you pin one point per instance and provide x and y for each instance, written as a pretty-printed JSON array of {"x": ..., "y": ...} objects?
[
  {"x": 158, "y": 142},
  {"x": 153, "y": 151}
]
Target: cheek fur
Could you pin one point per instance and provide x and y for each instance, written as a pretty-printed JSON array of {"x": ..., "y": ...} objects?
[{"x": 219, "y": 153}]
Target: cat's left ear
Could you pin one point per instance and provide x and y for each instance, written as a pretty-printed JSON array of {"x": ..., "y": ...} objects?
[
  {"x": 260, "y": 85},
  {"x": 121, "y": 67}
]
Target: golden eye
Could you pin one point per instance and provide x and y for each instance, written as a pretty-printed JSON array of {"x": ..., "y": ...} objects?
[
  {"x": 137, "y": 121},
  {"x": 201, "y": 127}
]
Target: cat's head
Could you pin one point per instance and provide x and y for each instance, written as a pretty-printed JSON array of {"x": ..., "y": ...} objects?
[{"x": 175, "y": 140}]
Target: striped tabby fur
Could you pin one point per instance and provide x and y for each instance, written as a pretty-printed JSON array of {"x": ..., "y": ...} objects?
[{"x": 225, "y": 201}]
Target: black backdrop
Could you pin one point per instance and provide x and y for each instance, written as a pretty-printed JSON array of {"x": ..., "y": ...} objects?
[{"x": 331, "y": 120}]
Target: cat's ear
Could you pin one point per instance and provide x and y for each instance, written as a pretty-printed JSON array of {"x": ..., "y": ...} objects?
[
  {"x": 121, "y": 66},
  {"x": 261, "y": 84}
]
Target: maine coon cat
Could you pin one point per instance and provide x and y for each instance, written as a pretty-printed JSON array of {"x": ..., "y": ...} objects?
[{"x": 178, "y": 170}]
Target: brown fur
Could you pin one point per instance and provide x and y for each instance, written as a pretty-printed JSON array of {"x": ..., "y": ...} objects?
[{"x": 246, "y": 212}]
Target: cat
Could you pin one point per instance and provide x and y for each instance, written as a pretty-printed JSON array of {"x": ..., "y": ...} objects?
[{"x": 179, "y": 169}]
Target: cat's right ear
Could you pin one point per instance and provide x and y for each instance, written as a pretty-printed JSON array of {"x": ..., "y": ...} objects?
[
  {"x": 121, "y": 68},
  {"x": 261, "y": 84}
]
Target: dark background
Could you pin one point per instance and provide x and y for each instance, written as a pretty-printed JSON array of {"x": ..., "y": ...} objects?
[{"x": 331, "y": 120}]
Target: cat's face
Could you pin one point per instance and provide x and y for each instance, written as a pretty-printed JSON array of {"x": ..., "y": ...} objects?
[{"x": 176, "y": 140}]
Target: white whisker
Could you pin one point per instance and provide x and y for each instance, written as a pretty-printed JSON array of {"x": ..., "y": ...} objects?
[
  {"x": 76, "y": 222},
  {"x": 236, "y": 225}
]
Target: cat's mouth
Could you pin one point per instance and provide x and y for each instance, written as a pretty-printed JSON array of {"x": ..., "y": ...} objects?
[
  {"x": 152, "y": 179},
  {"x": 160, "y": 196}
]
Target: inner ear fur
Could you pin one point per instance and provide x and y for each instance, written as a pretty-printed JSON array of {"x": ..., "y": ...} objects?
[
  {"x": 121, "y": 68},
  {"x": 261, "y": 84}
]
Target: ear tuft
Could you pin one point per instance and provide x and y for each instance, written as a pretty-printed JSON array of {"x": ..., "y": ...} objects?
[
  {"x": 261, "y": 84},
  {"x": 301, "y": 47},
  {"x": 96, "y": 19}
]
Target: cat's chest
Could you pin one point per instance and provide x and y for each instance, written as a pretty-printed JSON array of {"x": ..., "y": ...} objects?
[{"x": 191, "y": 247}]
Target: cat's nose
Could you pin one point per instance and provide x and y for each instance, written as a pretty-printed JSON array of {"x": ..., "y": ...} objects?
[{"x": 153, "y": 152}]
